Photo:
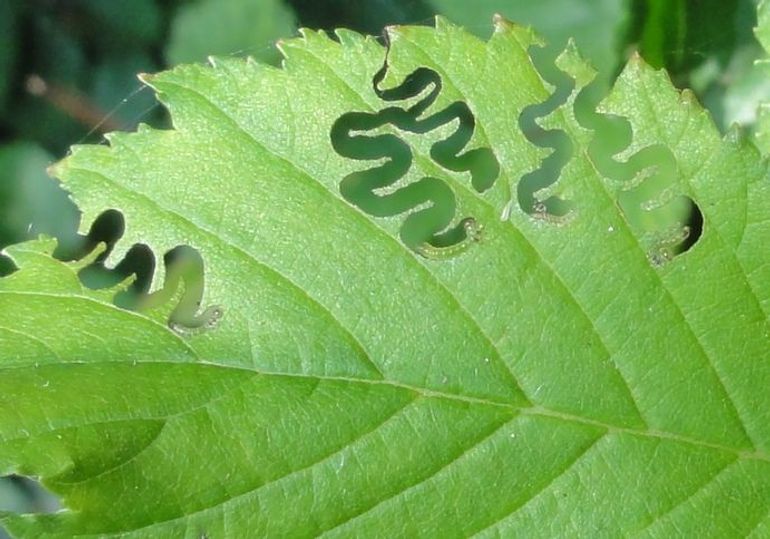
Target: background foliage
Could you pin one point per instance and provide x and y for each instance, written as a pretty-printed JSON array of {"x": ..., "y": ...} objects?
[{"x": 68, "y": 74}]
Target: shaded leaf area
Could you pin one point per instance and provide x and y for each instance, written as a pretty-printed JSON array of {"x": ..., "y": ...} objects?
[{"x": 549, "y": 379}]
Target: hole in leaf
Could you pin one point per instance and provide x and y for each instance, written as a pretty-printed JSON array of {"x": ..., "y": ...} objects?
[
  {"x": 184, "y": 267},
  {"x": 108, "y": 228},
  {"x": 549, "y": 171},
  {"x": 667, "y": 221},
  {"x": 431, "y": 227},
  {"x": 57, "y": 216},
  {"x": 695, "y": 226}
]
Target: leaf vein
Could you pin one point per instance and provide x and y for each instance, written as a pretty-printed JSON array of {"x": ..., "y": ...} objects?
[
  {"x": 278, "y": 276},
  {"x": 568, "y": 466},
  {"x": 373, "y": 226},
  {"x": 485, "y": 437},
  {"x": 564, "y": 288}
]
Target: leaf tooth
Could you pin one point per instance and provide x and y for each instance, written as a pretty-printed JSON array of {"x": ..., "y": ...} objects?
[
  {"x": 500, "y": 23},
  {"x": 308, "y": 39},
  {"x": 506, "y": 29},
  {"x": 349, "y": 38},
  {"x": 309, "y": 36},
  {"x": 735, "y": 135},
  {"x": 443, "y": 24},
  {"x": 575, "y": 65},
  {"x": 393, "y": 32}
]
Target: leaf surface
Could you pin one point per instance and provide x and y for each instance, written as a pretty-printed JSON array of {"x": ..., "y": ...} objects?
[{"x": 552, "y": 378}]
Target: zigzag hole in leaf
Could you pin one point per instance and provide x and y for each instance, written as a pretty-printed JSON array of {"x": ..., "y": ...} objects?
[
  {"x": 430, "y": 202},
  {"x": 184, "y": 268},
  {"x": 551, "y": 208},
  {"x": 668, "y": 221}
]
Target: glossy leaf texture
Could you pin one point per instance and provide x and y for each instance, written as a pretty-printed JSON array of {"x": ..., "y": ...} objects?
[{"x": 561, "y": 375}]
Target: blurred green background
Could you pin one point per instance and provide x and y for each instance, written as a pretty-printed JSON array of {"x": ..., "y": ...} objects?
[{"x": 68, "y": 75}]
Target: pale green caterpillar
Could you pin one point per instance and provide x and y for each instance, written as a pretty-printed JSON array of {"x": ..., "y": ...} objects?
[
  {"x": 473, "y": 231},
  {"x": 207, "y": 320},
  {"x": 667, "y": 248}
]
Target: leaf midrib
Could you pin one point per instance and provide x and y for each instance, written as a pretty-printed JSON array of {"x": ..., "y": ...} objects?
[
  {"x": 510, "y": 229},
  {"x": 80, "y": 297},
  {"x": 418, "y": 393},
  {"x": 269, "y": 270},
  {"x": 535, "y": 410}
]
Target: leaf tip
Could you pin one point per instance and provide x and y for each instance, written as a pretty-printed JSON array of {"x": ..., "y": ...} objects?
[
  {"x": 442, "y": 23},
  {"x": 735, "y": 135},
  {"x": 500, "y": 23},
  {"x": 575, "y": 65},
  {"x": 54, "y": 170},
  {"x": 348, "y": 37},
  {"x": 145, "y": 78},
  {"x": 525, "y": 35}
]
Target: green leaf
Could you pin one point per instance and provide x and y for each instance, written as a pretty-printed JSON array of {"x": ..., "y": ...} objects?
[
  {"x": 210, "y": 27},
  {"x": 598, "y": 27},
  {"x": 554, "y": 377}
]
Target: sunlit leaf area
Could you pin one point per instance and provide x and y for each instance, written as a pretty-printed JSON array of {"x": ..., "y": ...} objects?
[{"x": 417, "y": 268}]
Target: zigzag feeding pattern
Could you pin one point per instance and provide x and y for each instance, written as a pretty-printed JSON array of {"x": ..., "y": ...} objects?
[
  {"x": 647, "y": 177},
  {"x": 425, "y": 230},
  {"x": 183, "y": 267},
  {"x": 647, "y": 197},
  {"x": 549, "y": 171}
]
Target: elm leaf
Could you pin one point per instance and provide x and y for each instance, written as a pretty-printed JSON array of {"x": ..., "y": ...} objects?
[{"x": 538, "y": 374}]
